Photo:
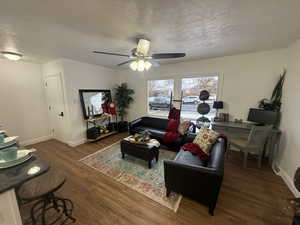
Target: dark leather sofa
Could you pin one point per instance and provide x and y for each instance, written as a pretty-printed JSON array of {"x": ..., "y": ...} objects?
[
  {"x": 194, "y": 178},
  {"x": 157, "y": 128}
]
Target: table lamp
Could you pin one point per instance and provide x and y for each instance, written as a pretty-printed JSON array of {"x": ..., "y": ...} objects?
[{"x": 217, "y": 105}]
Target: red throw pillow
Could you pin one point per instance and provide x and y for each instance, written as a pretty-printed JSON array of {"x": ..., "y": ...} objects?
[
  {"x": 173, "y": 125},
  {"x": 170, "y": 137}
]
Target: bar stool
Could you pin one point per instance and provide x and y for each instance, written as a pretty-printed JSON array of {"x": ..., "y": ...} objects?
[{"x": 41, "y": 191}]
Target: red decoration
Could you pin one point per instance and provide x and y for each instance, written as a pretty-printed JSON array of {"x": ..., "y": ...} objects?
[
  {"x": 196, "y": 150},
  {"x": 173, "y": 125},
  {"x": 112, "y": 108},
  {"x": 174, "y": 114},
  {"x": 104, "y": 108},
  {"x": 172, "y": 133}
]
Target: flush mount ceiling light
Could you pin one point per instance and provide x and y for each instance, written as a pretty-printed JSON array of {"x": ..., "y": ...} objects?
[{"x": 12, "y": 55}]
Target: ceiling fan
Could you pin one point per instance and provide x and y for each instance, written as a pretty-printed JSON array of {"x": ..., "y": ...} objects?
[{"x": 140, "y": 60}]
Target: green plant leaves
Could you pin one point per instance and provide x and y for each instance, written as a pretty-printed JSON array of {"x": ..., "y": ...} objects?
[
  {"x": 123, "y": 98},
  {"x": 277, "y": 92}
]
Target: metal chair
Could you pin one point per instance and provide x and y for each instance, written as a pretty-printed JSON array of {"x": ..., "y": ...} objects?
[
  {"x": 254, "y": 144},
  {"x": 41, "y": 191}
]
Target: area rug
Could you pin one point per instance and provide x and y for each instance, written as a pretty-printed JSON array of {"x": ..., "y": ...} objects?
[{"x": 134, "y": 173}]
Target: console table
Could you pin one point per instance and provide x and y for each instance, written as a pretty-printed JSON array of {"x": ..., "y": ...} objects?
[{"x": 232, "y": 129}]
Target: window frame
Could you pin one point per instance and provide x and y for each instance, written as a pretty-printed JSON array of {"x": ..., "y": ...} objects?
[
  {"x": 219, "y": 86},
  {"x": 147, "y": 95},
  {"x": 177, "y": 81}
]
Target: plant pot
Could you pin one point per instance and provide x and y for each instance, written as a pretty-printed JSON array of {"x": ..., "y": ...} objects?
[{"x": 123, "y": 126}]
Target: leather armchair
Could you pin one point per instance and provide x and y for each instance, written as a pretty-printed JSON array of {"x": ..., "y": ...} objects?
[{"x": 197, "y": 179}]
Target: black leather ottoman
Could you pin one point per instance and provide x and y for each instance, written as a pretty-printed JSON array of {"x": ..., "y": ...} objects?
[{"x": 141, "y": 151}]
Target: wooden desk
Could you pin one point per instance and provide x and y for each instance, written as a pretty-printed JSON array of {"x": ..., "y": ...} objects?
[{"x": 232, "y": 129}]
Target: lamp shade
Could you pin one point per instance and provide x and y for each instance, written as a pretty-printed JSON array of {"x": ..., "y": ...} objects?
[{"x": 218, "y": 105}]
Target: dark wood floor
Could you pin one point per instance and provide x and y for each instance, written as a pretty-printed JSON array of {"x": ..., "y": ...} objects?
[{"x": 248, "y": 196}]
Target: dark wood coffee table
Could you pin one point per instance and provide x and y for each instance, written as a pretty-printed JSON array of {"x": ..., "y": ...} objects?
[{"x": 141, "y": 151}]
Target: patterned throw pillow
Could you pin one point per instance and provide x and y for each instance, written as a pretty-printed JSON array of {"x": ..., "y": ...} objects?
[
  {"x": 184, "y": 126},
  {"x": 205, "y": 139}
]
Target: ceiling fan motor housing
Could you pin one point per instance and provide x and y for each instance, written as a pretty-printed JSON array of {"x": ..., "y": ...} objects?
[{"x": 143, "y": 47}]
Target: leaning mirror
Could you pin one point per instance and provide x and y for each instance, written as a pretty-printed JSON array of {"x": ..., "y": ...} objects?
[{"x": 92, "y": 100}]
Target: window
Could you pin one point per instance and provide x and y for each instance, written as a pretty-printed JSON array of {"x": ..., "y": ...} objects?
[
  {"x": 159, "y": 97},
  {"x": 191, "y": 88}
]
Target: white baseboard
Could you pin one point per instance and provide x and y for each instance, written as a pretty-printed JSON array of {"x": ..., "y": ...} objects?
[
  {"x": 35, "y": 140},
  {"x": 289, "y": 182},
  {"x": 76, "y": 143}
]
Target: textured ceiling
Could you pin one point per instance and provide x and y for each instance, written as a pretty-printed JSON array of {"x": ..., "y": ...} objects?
[{"x": 44, "y": 30}]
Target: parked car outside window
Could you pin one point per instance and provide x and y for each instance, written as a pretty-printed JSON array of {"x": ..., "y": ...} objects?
[
  {"x": 159, "y": 103},
  {"x": 190, "y": 100}
]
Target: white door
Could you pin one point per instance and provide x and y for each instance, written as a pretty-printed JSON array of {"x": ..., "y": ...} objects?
[{"x": 56, "y": 107}]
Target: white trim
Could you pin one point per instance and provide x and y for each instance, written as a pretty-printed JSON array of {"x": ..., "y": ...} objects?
[
  {"x": 76, "y": 143},
  {"x": 289, "y": 182},
  {"x": 101, "y": 150},
  {"x": 35, "y": 140}
]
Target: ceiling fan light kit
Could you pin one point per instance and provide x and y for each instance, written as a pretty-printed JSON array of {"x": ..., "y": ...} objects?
[
  {"x": 140, "y": 60},
  {"x": 140, "y": 65},
  {"x": 13, "y": 56},
  {"x": 148, "y": 65}
]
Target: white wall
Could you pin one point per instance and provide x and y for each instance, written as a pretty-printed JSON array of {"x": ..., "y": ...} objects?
[
  {"x": 247, "y": 78},
  {"x": 22, "y": 101},
  {"x": 289, "y": 156},
  {"x": 77, "y": 76}
]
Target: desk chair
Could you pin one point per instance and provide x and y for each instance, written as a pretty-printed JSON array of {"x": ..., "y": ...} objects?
[{"x": 254, "y": 144}]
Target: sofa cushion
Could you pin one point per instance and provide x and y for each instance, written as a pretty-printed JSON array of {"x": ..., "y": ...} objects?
[
  {"x": 156, "y": 123},
  {"x": 186, "y": 157}
]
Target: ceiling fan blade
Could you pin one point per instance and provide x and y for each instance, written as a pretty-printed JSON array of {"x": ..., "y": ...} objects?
[
  {"x": 123, "y": 63},
  {"x": 110, "y": 53},
  {"x": 167, "y": 55},
  {"x": 154, "y": 63}
]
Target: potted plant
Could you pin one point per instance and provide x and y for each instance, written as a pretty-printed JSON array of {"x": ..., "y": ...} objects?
[
  {"x": 123, "y": 98},
  {"x": 274, "y": 104}
]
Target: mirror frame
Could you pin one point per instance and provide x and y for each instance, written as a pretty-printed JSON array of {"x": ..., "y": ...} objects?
[{"x": 82, "y": 91}]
